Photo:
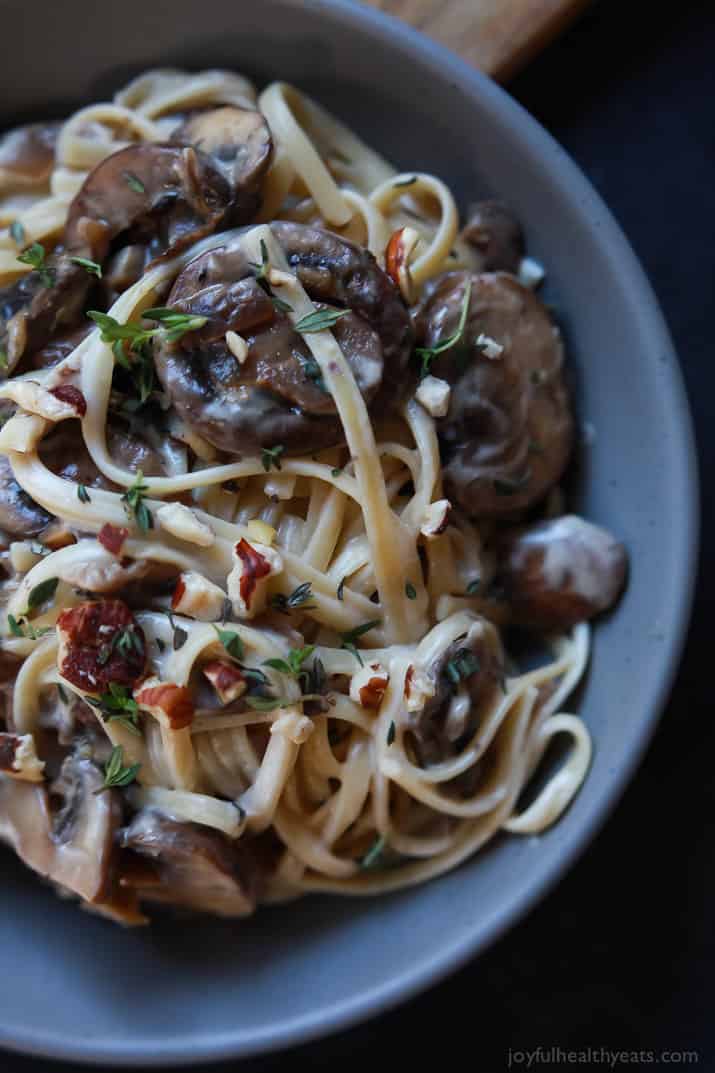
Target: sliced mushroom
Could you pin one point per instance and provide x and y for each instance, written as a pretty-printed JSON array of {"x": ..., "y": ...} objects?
[
  {"x": 508, "y": 433},
  {"x": 556, "y": 573},
  {"x": 195, "y": 867},
  {"x": 276, "y": 395},
  {"x": 239, "y": 143},
  {"x": 463, "y": 677},
  {"x": 162, "y": 197},
  {"x": 34, "y": 307},
  {"x": 496, "y": 235},
  {"x": 20, "y": 515},
  {"x": 59, "y": 347},
  {"x": 75, "y": 847},
  {"x": 27, "y": 156}
]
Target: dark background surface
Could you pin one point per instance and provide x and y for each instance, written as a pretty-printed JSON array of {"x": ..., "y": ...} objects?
[{"x": 620, "y": 955}]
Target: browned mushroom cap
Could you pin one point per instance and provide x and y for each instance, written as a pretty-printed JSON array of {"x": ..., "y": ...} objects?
[
  {"x": 59, "y": 347},
  {"x": 27, "y": 156},
  {"x": 169, "y": 195},
  {"x": 195, "y": 867},
  {"x": 239, "y": 143},
  {"x": 508, "y": 433},
  {"x": 556, "y": 573},
  {"x": 464, "y": 676},
  {"x": 34, "y": 307},
  {"x": 75, "y": 847},
  {"x": 20, "y": 515},
  {"x": 277, "y": 394},
  {"x": 496, "y": 235}
]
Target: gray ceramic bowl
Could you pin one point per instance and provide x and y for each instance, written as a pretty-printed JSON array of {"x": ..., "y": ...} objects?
[{"x": 78, "y": 988}]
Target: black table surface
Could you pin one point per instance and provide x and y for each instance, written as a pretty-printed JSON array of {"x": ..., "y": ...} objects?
[{"x": 619, "y": 957}]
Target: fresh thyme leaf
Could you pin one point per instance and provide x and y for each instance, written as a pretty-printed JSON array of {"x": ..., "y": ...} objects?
[
  {"x": 463, "y": 666},
  {"x": 505, "y": 487},
  {"x": 410, "y": 591},
  {"x": 313, "y": 372},
  {"x": 391, "y": 733},
  {"x": 319, "y": 320},
  {"x": 17, "y": 232},
  {"x": 135, "y": 506},
  {"x": 175, "y": 324},
  {"x": 428, "y": 354},
  {"x": 118, "y": 705},
  {"x": 473, "y": 586},
  {"x": 62, "y": 692},
  {"x": 280, "y": 306},
  {"x": 293, "y": 665},
  {"x": 3, "y": 359},
  {"x": 271, "y": 456},
  {"x": 374, "y": 854},
  {"x": 341, "y": 587},
  {"x": 92, "y": 267},
  {"x": 83, "y": 494},
  {"x": 115, "y": 773},
  {"x": 34, "y": 255},
  {"x": 132, "y": 331},
  {"x": 336, "y": 471},
  {"x": 263, "y": 268},
  {"x": 298, "y": 598},
  {"x": 42, "y": 592},
  {"x": 351, "y": 636},
  {"x": 231, "y": 642},
  {"x": 268, "y": 704},
  {"x": 405, "y": 182},
  {"x": 160, "y": 644},
  {"x": 26, "y": 629},
  {"x": 133, "y": 183}
]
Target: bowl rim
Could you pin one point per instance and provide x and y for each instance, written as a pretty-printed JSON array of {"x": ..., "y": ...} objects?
[{"x": 427, "y": 971}]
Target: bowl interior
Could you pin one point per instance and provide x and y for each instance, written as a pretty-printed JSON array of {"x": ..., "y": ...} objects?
[{"x": 212, "y": 989}]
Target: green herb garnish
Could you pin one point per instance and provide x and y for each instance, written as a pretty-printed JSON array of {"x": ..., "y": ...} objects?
[
  {"x": 373, "y": 856},
  {"x": 17, "y": 232},
  {"x": 428, "y": 354},
  {"x": 463, "y": 666},
  {"x": 34, "y": 255},
  {"x": 133, "y": 183},
  {"x": 118, "y": 705},
  {"x": 92, "y": 267},
  {"x": 231, "y": 642},
  {"x": 341, "y": 588},
  {"x": 20, "y": 628},
  {"x": 298, "y": 598},
  {"x": 83, "y": 494},
  {"x": 410, "y": 591},
  {"x": 115, "y": 774},
  {"x": 174, "y": 324},
  {"x": 271, "y": 456},
  {"x": 336, "y": 471},
  {"x": 293, "y": 665},
  {"x": 319, "y": 320},
  {"x": 350, "y": 637},
  {"x": 405, "y": 182},
  {"x": 473, "y": 586},
  {"x": 42, "y": 593},
  {"x": 134, "y": 504},
  {"x": 391, "y": 732}
]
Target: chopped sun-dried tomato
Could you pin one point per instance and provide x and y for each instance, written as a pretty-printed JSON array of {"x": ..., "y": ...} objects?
[
  {"x": 112, "y": 537},
  {"x": 167, "y": 699},
  {"x": 395, "y": 256},
  {"x": 72, "y": 396},
  {"x": 255, "y": 566},
  {"x": 179, "y": 591},
  {"x": 408, "y": 680},
  {"x": 89, "y": 656},
  {"x": 226, "y": 678},
  {"x": 373, "y": 691}
]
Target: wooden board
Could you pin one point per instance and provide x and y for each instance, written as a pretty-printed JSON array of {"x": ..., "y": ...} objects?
[{"x": 498, "y": 36}]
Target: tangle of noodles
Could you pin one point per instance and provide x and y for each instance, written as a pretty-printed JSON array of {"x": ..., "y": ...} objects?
[{"x": 336, "y": 790}]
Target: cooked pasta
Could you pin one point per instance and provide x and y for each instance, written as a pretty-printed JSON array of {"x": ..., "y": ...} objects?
[{"x": 283, "y": 443}]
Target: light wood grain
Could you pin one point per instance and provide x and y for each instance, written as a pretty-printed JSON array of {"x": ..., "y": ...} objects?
[{"x": 498, "y": 36}]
